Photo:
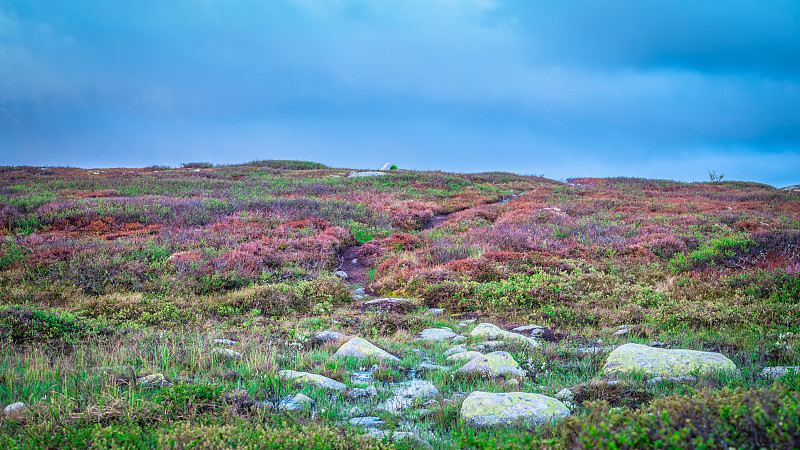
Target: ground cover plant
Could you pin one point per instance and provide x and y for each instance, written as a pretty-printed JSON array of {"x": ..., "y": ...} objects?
[{"x": 156, "y": 307}]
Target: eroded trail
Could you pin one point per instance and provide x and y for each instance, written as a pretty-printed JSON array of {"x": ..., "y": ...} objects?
[{"x": 356, "y": 271}]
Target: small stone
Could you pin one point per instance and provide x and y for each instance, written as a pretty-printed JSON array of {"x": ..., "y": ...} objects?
[
  {"x": 434, "y": 311},
  {"x": 355, "y": 261},
  {"x": 774, "y": 373},
  {"x": 565, "y": 395},
  {"x": 15, "y": 410},
  {"x": 365, "y": 174},
  {"x": 356, "y": 394},
  {"x": 341, "y": 274},
  {"x": 367, "y": 421},
  {"x": 489, "y": 345},
  {"x": 224, "y": 342},
  {"x": 658, "y": 344},
  {"x": 621, "y": 332},
  {"x": 455, "y": 349},
  {"x": 227, "y": 352},
  {"x": 298, "y": 402},
  {"x": 323, "y": 337},
  {"x": 154, "y": 380},
  {"x": 458, "y": 339},
  {"x": 358, "y": 291},
  {"x": 513, "y": 383}
]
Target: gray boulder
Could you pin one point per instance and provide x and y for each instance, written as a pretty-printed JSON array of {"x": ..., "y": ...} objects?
[
  {"x": 363, "y": 349},
  {"x": 312, "y": 379}
]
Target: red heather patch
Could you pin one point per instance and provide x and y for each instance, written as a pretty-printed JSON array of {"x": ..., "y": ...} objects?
[
  {"x": 505, "y": 256},
  {"x": 306, "y": 223},
  {"x": 57, "y": 254}
]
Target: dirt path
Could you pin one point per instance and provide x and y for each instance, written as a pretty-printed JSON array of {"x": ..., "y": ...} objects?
[
  {"x": 350, "y": 264},
  {"x": 357, "y": 272}
]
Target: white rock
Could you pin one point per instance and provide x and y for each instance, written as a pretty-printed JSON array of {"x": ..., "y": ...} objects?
[
  {"x": 224, "y": 342},
  {"x": 435, "y": 311},
  {"x": 666, "y": 363},
  {"x": 341, "y": 274},
  {"x": 15, "y": 409},
  {"x": 458, "y": 339},
  {"x": 525, "y": 328},
  {"x": 387, "y": 166},
  {"x": 437, "y": 334}
]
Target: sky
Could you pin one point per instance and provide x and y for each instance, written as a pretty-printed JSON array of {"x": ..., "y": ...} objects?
[{"x": 659, "y": 88}]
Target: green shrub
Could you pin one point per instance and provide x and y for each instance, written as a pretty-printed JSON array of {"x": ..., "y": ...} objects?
[
  {"x": 22, "y": 325},
  {"x": 723, "y": 419}
]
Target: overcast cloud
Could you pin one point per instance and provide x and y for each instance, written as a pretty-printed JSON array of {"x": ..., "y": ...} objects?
[{"x": 667, "y": 89}]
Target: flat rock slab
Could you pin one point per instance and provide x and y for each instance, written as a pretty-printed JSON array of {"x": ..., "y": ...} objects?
[
  {"x": 400, "y": 305},
  {"x": 483, "y": 409},
  {"x": 664, "y": 363},
  {"x": 363, "y": 349},
  {"x": 527, "y": 328},
  {"x": 365, "y": 174},
  {"x": 437, "y": 334},
  {"x": 313, "y": 379},
  {"x": 298, "y": 402},
  {"x": 494, "y": 364},
  {"x": 487, "y": 330}
]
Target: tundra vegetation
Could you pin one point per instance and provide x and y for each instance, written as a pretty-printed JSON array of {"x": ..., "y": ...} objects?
[{"x": 157, "y": 307}]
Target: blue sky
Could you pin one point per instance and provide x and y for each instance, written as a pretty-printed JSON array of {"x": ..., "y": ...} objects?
[{"x": 657, "y": 88}]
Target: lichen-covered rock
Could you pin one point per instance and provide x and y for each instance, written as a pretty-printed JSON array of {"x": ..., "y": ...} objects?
[
  {"x": 363, "y": 349},
  {"x": 664, "y": 363},
  {"x": 464, "y": 356},
  {"x": 154, "y": 380},
  {"x": 494, "y": 364},
  {"x": 357, "y": 394},
  {"x": 481, "y": 409},
  {"x": 487, "y": 330},
  {"x": 313, "y": 379},
  {"x": 437, "y": 334}
]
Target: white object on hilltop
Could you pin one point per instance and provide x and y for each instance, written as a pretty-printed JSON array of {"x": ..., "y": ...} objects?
[{"x": 387, "y": 166}]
